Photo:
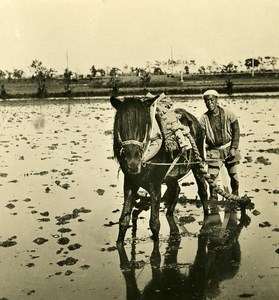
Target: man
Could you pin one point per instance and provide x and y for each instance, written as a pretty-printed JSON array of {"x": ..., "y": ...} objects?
[{"x": 222, "y": 140}]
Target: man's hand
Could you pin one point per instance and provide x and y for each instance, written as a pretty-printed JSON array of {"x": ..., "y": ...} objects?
[{"x": 232, "y": 153}]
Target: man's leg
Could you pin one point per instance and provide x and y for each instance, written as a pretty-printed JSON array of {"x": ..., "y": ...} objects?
[
  {"x": 232, "y": 170},
  {"x": 213, "y": 171}
]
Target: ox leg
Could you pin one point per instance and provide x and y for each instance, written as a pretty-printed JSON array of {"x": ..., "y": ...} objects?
[
  {"x": 202, "y": 188},
  {"x": 124, "y": 220},
  {"x": 154, "y": 222},
  {"x": 172, "y": 192}
]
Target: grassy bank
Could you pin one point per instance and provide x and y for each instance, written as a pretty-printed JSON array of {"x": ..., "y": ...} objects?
[{"x": 132, "y": 85}]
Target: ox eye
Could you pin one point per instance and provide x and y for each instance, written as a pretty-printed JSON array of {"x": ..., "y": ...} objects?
[{"x": 127, "y": 154}]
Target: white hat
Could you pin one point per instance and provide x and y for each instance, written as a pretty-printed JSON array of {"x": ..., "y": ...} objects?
[{"x": 210, "y": 92}]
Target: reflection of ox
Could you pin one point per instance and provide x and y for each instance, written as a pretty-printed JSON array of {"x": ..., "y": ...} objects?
[{"x": 218, "y": 258}]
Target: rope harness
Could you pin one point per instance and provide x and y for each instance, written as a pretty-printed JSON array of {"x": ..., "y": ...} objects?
[{"x": 133, "y": 142}]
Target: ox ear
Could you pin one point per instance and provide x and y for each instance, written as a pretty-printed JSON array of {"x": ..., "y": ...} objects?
[
  {"x": 115, "y": 102},
  {"x": 150, "y": 101}
]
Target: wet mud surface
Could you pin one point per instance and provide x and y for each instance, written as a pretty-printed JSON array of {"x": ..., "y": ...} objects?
[{"x": 61, "y": 197}]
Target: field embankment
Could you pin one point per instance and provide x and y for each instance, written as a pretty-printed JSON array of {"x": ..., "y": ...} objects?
[{"x": 133, "y": 85}]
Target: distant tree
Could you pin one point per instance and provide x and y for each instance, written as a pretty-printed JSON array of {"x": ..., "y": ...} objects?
[
  {"x": 229, "y": 68},
  {"x": 158, "y": 64},
  {"x": 273, "y": 61},
  {"x": 2, "y": 74},
  {"x": 40, "y": 71},
  {"x": 112, "y": 72},
  {"x": 201, "y": 70},
  {"x": 93, "y": 71},
  {"x": 3, "y": 93},
  {"x": 208, "y": 68},
  {"x": 17, "y": 74},
  {"x": 41, "y": 74},
  {"x": 158, "y": 71},
  {"x": 249, "y": 63},
  {"x": 102, "y": 72},
  {"x": 9, "y": 73},
  {"x": 216, "y": 68},
  {"x": 268, "y": 63},
  {"x": 115, "y": 72}
]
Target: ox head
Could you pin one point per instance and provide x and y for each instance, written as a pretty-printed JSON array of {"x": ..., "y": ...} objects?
[{"x": 132, "y": 126}]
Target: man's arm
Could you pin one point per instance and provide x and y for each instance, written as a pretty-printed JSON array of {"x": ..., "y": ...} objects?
[
  {"x": 235, "y": 138},
  {"x": 235, "y": 134}
]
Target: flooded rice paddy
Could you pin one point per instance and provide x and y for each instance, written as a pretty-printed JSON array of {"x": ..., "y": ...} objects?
[{"x": 61, "y": 197}]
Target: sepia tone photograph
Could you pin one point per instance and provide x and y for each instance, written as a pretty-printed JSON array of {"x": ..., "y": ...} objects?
[{"x": 139, "y": 149}]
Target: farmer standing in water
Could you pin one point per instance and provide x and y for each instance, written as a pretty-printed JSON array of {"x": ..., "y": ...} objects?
[{"x": 222, "y": 141}]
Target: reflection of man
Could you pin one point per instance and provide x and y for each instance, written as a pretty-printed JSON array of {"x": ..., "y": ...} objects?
[
  {"x": 219, "y": 255},
  {"x": 222, "y": 140}
]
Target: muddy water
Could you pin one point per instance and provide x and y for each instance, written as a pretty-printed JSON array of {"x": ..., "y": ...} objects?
[{"x": 61, "y": 195}]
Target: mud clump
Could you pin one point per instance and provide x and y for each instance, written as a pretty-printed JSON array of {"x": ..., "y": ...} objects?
[
  {"x": 64, "y": 230},
  {"x": 187, "y": 183},
  {"x": 31, "y": 292},
  {"x": 262, "y": 160},
  {"x": 186, "y": 220},
  {"x": 245, "y": 295},
  {"x": 100, "y": 192},
  {"x": 40, "y": 240},
  {"x": 265, "y": 224},
  {"x": 63, "y": 241},
  {"x": 270, "y": 150},
  {"x": 10, "y": 206},
  {"x": 45, "y": 214},
  {"x": 248, "y": 159},
  {"x": 74, "y": 247},
  {"x": 110, "y": 223},
  {"x": 65, "y": 186},
  {"x": 47, "y": 189},
  {"x": 64, "y": 219},
  {"x": 69, "y": 261},
  {"x": 109, "y": 249},
  {"x": 85, "y": 267},
  {"x": 44, "y": 220},
  {"x": 68, "y": 273},
  {"x": 9, "y": 242},
  {"x": 30, "y": 265}
]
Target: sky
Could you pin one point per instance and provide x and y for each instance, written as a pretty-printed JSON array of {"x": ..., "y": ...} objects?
[{"x": 118, "y": 32}]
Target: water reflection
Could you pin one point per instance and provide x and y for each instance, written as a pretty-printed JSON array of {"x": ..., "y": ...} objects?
[
  {"x": 217, "y": 258},
  {"x": 68, "y": 108},
  {"x": 39, "y": 122}
]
